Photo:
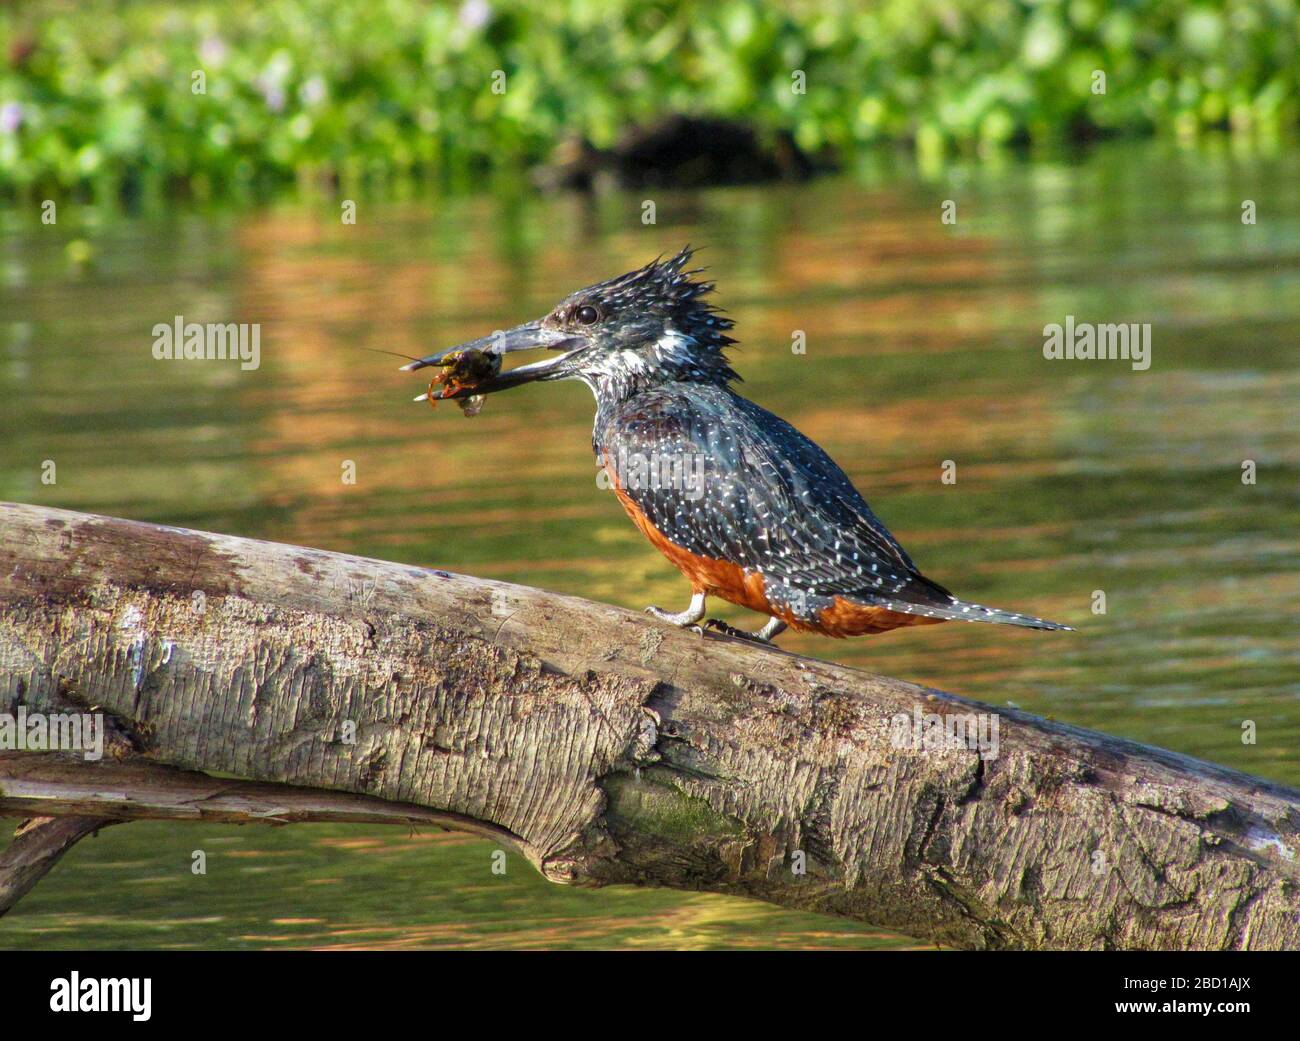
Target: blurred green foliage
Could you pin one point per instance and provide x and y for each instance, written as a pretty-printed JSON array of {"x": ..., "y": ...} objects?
[{"x": 101, "y": 95}]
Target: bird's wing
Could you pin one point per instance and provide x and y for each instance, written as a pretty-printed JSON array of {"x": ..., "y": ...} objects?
[{"x": 767, "y": 498}]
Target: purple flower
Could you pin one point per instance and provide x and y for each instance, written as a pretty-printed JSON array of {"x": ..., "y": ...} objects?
[
  {"x": 212, "y": 51},
  {"x": 312, "y": 92},
  {"x": 271, "y": 92},
  {"x": 474, "y": 14},
  {"x": 11, "y": 117}
]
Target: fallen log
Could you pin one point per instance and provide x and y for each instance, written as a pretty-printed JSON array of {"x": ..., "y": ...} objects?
[
  {"x": 39, "y": 844},
  {"x": 610, "y": 749}
]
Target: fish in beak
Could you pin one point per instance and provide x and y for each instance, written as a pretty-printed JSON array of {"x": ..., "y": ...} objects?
[{"x": 473, "y": 369}]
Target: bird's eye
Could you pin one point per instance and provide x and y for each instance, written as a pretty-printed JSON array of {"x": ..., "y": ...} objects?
[{"x": 587, "y": 314}]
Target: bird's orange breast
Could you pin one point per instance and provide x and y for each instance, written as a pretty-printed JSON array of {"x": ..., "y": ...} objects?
[
  {"x": 705, "y": 574},
  {"x": 747, "y": 589}
]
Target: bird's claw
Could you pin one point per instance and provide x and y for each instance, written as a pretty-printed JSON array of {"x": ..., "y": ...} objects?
[
  {"x": 682, "y": 621},
  {"x": 730, "y": 630}
]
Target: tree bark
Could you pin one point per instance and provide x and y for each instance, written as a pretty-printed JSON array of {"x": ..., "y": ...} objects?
[
  {"x": 609, "y": 748},
  {"x": 38, "y": 845}
]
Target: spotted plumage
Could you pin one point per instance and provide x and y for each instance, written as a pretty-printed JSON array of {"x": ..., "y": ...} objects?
[{"x": 749, "y": 509}]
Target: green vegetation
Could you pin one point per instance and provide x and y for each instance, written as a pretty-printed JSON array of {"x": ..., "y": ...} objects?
[{"x": 100, "y": 96}]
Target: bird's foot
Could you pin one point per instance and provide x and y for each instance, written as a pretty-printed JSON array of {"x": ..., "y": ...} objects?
[
  {"x": 718, "y": 625},
  {"x": 683, "y": 619}
]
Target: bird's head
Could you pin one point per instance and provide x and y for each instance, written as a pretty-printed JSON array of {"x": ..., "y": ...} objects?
[{"x": 646, "y": 327}]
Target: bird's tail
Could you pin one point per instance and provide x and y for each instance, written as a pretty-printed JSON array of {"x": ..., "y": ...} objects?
[
  {"x": 964, "y": 611},
  {"x": 925, "y": 598}
]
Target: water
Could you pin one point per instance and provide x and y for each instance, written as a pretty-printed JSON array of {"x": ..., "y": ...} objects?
[{"x": 924, "y": 344}]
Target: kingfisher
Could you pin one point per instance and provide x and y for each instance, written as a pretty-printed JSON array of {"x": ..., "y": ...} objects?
[{"x": 748, "y": 508}]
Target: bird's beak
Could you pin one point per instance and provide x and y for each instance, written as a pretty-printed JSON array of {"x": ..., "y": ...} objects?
[{"x": 475, "y": 367}]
